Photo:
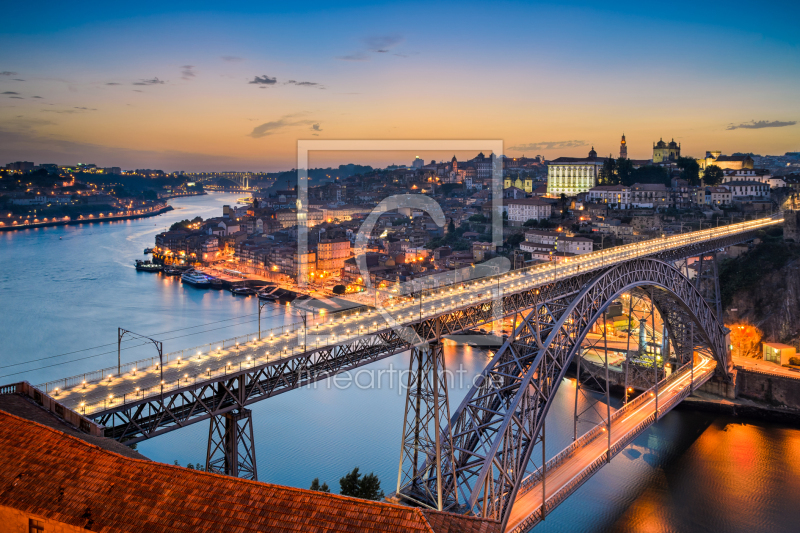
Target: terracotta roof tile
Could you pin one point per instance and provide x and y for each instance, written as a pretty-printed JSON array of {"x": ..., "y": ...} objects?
[{"x": 49, "y": 473}]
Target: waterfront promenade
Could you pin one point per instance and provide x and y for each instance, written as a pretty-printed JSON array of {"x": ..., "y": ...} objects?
[{"x": 127, "y": 214}]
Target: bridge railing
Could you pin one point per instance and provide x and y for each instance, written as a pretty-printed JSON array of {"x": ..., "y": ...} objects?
[
  {"x": 581, "y": 477},
  {"x": 534, "y": 478},
  {"x": 472, "y": 292}
]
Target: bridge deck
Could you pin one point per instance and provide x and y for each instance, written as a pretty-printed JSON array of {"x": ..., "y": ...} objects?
[
  {"x": 101, "y": 392},
  {"x": 573, "y": 466}
]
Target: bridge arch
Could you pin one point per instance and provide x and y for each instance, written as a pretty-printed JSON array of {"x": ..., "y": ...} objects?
[{"x": 496, "y": 426}]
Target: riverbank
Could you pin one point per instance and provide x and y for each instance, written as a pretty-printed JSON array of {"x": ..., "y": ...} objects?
[
  {"x": 739, "y": 407},
  {"x": 72, "y": 222},
  {"x": 185, "y": 195}
]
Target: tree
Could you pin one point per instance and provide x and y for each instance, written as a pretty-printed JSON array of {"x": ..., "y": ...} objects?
[
  {"x": 624, "y": 170},
  {"x": 690, "y": 170},
  {"x": 515, "y": 239},
  {"x": 321, "y": 488},
  {"x": 339, "y": 289},
  {"x": 368, "y": 487},
  {"x": 451, "y": 227},
  {"x": 563, "y": 202},
  {"x": 649, "y": 174},
  {"x": 713, "y": 175},
  {"x": 608, "y": 174},
  {"x": 348, "y": 485},
  {"x": 531, "y": 223},
  {"x": 477, "y": 218}
]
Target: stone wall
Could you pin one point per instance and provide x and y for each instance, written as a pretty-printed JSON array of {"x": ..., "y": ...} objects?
[{"x": 768, "y": 388}]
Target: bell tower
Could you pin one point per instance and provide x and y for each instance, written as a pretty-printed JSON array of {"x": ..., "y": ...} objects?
[{"x": 623, "y": 148}]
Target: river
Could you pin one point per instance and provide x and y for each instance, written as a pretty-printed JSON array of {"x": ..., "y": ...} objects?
[{"x": 65, "y": 291}]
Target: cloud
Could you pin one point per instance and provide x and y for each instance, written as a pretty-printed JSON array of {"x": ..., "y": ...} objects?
[
  {"x": 305, "y": 83},
  {"x": 357, "y": 56},
  {"x": 757, "y": 125},
  {"x": 17, "y": 79},
  {"x": 8, "y": 73},
  {"x": 112, "y": 83},
  {"x": 86, "y": 108},
  {"x": 547, "y": 145},
  {"x": 269, "y": 128},
  {"x": 383, "y": 43},
  {"x": 316, "y": 127},
  {"x": 35, "y": 96},
  {"x": 137, "y": 91},
  {"x": 264, "y": 80},
  {"x": 17, "y": 97},
  {"x": 10, "y": 92},
  {"x": 232, "y": 59},
  {"x": 188, "y": 72},
  {"x": 154, "y": 81}
]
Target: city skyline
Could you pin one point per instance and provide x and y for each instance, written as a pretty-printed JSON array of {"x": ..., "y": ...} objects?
[{"x": 191, "y": 88}]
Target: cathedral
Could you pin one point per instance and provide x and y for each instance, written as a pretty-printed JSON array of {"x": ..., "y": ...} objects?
[{"x": 665, "y": 152}]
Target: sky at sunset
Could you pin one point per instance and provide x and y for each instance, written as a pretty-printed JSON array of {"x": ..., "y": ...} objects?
[{"x": 194, "y": 86}]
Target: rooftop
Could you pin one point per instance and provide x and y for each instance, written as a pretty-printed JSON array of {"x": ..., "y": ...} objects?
[{"x": 71, "y": 481}]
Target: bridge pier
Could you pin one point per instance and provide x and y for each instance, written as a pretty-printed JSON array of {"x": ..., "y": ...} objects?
[
  {"x": 231, "y": 448},
  {"x": 427, "y": 444}
]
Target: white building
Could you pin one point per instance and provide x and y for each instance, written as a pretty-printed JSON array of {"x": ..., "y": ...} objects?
[
  {"x": 745, "y": 189},
  {"x": 524, "y": 209},
  {"x": 614, "y": 195},
  {"x": 573, "y": 175},
  {"x": 537, "y": 240},
  {"x": 753, "y": 174}
]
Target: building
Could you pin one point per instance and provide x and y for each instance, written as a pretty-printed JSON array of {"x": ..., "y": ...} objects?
[
  {"x": 551, "y": 240},
  {"x": 718, "y": 196},
  {"x": 618, "y": 196},
  {"x": 480, "y": 250},
  {"x": 524, "y": 209},
  {"x": 666, "y": 152},
  {"x": 775, "y": 352},
  {"x": 573, "y": 175},
  {"x": 20, "y": 166},
  {"x": 649, "y": 195},
  {"x": 74, "y": 480},
  {"x": 743, "y": 190},
  {"x": 734, "y": 162},
  {"x": 525, "y": 185},
  {"x": 623, "y": 148},
  {"x": 331, "y": 255},
  {"x": 418, "y": 163}
]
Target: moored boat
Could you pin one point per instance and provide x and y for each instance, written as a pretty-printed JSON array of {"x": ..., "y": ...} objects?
[
  {"x": 195, "y": 279},
  {"x": 243, "y": 291},
  {"x": 147, "y": 266}
]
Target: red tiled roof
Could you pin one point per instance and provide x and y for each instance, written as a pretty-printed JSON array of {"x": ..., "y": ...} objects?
[{"x": 57, "y": 476}]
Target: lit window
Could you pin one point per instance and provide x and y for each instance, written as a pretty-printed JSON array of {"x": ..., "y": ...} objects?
[{"x": 35, "y": 526}]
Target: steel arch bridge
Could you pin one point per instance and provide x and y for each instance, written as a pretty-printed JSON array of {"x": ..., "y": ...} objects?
[{"x": 478, "y": 462}]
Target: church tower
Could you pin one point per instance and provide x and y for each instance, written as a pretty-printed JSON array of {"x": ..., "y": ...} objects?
[{"x": 623, "y": 148}]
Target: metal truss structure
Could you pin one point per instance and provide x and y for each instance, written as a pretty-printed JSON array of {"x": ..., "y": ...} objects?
[
  {"x": 498, "y": 399},
  {"x": 231, "y": 449},
  {"x": 496, "y": 426},
  {"x": 425, "y": 444}
]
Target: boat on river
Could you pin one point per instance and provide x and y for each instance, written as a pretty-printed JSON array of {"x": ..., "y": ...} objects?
[
  {"x": 195, "y": 279},
  {"x": 147, "y": 266},
  {"x": 243, "y": 291}
]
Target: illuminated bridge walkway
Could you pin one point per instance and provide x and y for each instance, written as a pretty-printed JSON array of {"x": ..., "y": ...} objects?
[
  {"x": 567, "y": 471},
  {"x": 474, "y": 462}
]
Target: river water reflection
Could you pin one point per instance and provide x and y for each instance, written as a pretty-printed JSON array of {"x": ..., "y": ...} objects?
[{"x": 65, "y": 289}]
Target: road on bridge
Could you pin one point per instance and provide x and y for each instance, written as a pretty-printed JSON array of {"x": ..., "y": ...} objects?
[
  {"x": 99, "y": 391},
  {"x": 569, "y": 470}
]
